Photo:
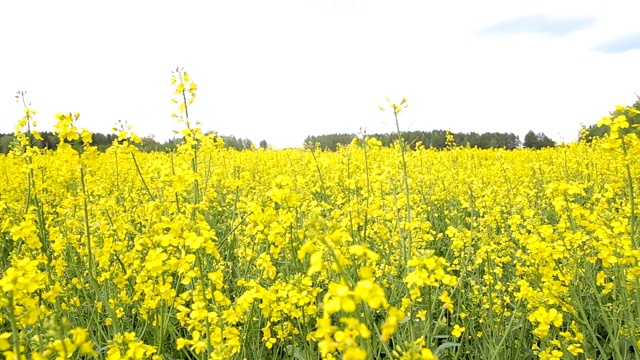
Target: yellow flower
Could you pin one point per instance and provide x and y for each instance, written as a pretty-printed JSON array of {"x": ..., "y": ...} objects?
[
  {"x": 391, "y": 323},
  {"x": 86, "y": 136},
  {"x": 354, "y": 353},
  {"x": 426, "y": 354},
  {"x": 457, "y": 331},
  {"x": 575, "y": 349},
  {"x": 447, "y": 304},
  {"x": 5, "y": 344}
]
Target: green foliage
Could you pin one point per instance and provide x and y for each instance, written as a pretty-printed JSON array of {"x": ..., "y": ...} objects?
[
  {"x": 5, "y": 142},
  {"x": 594, "y": 131},
  {"x": 537, "y": 141},
  {"x": 50, "y": 141},
  {"x": 104, "y": 141},
  {"x": 330, "y": 142},
  {"x": 239, "y": 144},
  {"x": 149, "y": 144},
  {"x": 431, "y": 139}
]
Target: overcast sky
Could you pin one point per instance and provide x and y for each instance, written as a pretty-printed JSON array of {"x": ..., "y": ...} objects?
[{"x": 281, "y": 70}]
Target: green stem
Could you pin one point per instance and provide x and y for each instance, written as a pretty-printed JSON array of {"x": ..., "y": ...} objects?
[
  {"x": 366, "y": 210},
  {"x": 94, "y": 283},
  {"x": 367, "y": 311},
  {"x": 199, "y": 264},
  {"x": 585, "y": 320},
  {"x": 117, "y": 175},
  {"x": 30, "y": 180},
  {"x": 407, "y": 252},
  {"x": 135, "y": 162},
  {"x": 324, "y": 190},
  {"x": 632, "y": 220},
  {"x": 196, "y": 185},
  {"x": 506, "y": 332},
  {"x": 14, "y": 328},
  {"x": 173, "y": 172},
  {"x": 86, "y": 220}
]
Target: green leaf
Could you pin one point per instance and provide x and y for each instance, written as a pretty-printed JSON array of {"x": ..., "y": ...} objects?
[
  {"x": 437, "y": 352},
  {"x": 295, "y": 351}
]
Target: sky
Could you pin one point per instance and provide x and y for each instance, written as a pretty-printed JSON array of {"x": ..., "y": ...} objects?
[{"x": 281, "y": 70}]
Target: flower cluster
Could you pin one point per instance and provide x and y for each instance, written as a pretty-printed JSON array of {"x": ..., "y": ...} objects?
[{"x": 359, "y": 253}]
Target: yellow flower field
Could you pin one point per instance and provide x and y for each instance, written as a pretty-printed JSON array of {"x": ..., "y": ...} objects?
[{"x": 364, "y": 253}]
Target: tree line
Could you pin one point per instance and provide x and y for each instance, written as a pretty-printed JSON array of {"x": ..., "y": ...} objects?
[
  {"x": 438, "y": 139},
  {"x": 104, "y": 141},
  {"x": 431, "y": 139}
]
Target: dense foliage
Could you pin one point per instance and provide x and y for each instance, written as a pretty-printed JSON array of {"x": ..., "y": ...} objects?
[
  {"x": 537, "y": 141},
  {"x": 103, "y": 142},
  {"x": 599, "y": 130},
  {"x": 430, "y": 139}
]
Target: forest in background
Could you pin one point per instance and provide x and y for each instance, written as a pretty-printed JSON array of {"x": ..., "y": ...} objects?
[{"x": 430, "y": 139}]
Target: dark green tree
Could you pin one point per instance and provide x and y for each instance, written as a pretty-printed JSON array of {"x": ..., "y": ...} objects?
[
  {"x": 430, "y": 139},
  {"x": 595, "y": 131},
  {"x": 530, "y": 140},
  {"x": 544, "y": 141},
  {"x": 149, "y": 144},
  {"x": 5, "y": 142},
  {"x": 100, "y": 141},
  {"x": 247, "y": 144},
  {"x": 537, "y": 141},
  {"x": 170, "y": 145},
  {"x": 331, "y": 141}
]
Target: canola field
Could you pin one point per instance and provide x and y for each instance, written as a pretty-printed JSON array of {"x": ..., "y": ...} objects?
[{"x": 363, "y": 253}]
